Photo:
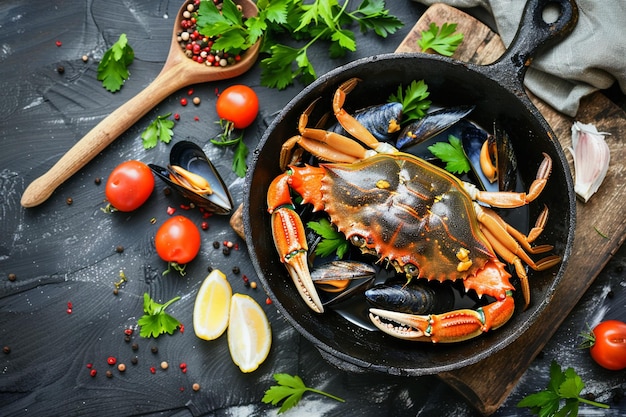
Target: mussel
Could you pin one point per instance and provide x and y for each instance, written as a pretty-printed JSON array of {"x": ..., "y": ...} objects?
[
  {"x": 492, "y": 157},
  {"x": 383, "y": 120},
  {"x": 412, "y": 298},
  {"x": 341, "y": 280},
  {"x": 430, "y": 125},
  {"x": 193, "y": 175}
]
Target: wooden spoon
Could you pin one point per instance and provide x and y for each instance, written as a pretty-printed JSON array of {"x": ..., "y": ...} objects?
[{"x": 179, "y": 71}]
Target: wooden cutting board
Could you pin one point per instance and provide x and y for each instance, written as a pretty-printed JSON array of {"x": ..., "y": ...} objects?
[{"x": 486, "y": 384}]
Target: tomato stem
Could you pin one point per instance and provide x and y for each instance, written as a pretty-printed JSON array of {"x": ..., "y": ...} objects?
[{"x": 176, "y": 267}]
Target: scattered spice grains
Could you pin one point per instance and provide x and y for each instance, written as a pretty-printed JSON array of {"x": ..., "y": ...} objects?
[
  {"x": 97, "y": 180},
  {"x": 6, "y": 349},
  {"x": 196, "y": 101},
  {"x": 12, "y": 277},
  {"x": 195, "y": 386},
  {"x": 198, "y": 47},
  {"x": 58, "y": 43},
  {"x": 164, "y": 365},
  {"x": 69, "y": 201},
  {"x": 121, "y": 367},
  {"x": 111, "y": 360},
  {"x": 70, "y": 307}
]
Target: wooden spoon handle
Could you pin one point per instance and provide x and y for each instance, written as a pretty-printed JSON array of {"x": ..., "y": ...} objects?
[{"x": 103, "y": 134}]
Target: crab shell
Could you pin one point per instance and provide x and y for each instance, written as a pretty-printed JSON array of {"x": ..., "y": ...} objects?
[{"x": 396, "y": 206}]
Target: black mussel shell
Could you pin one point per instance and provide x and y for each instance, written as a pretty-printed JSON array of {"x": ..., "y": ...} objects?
[
  {"x": 431, "y": 124},
  {"x": 376, "y": 119},
  {"x": 190, "y": 156},
  {"x": 412, "y": 298}
]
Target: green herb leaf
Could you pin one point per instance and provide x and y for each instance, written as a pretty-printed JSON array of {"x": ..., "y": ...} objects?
[
  {"x": 240, "y": 154},
  {"x": 443, "y": 41},
  {"x": 452, "y": 154},
  {"x": 332, "y": 241},
  {"x": 113, "y": 67},
  {"x": 156, "y": 321},
  {"x": 563, "y": 386},
  {"x": 159, "y": 129},
  {"x": 413, "y": 99},
  {"x": 315, "y": 21},
  {"x": 290, "y": 390}
]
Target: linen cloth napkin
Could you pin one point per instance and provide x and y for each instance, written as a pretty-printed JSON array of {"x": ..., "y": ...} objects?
[{"x": 590, "y": 58}]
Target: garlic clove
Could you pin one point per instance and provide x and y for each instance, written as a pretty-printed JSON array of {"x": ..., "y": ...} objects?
[{"x": 591, "y": 159}]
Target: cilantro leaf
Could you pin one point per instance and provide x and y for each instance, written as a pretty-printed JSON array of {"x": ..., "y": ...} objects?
[
  {"x": 413, "y": 99},
  {"x": 452, "y": 154},
  {"x": 290, "y": 389},
  {"x": 156, "y": 321},
  {"x": 112, "y": 69},
  {"x": 159, "y": 129},
  {"x": 441, "y": 40},
  {"x": 332, "y": 241},
  {"x": 562, "y": 386}
]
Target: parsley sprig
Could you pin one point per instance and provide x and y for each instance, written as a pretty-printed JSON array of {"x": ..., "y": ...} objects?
[
  {"x": 156, "y": 321},
  {"x": 413, "y": 99},
  {"x": 452, "y": 154},
  {"x": 226, "y": 139},
  {"x": 332, "y": 241},
  {"x": 441, "y": 40},
  {"x": 563, "y": 386},
  {"x": 113, "y": 67},
  {"x": 290, "y": 389},
  {"x": 159, "y": 129},
  {"x": 306, "y": 24}
]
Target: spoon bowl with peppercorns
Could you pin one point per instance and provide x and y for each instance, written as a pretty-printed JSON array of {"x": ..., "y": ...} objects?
[{"x": 179, "y": 71}]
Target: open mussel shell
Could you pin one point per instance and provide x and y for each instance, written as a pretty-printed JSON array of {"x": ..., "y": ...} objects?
[
  {"x": 339, "y": 280},
  {"x": 190, "y": 157},
  {"x": 500, "y": 149}
]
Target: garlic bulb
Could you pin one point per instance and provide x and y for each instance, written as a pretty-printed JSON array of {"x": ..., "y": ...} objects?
[{"x": 591, "y": 159}]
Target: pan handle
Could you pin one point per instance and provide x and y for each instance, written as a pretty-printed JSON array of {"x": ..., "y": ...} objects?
[{"x": 533, "y": 33}]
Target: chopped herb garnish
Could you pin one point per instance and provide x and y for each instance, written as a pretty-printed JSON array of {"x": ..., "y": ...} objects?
[
  {"x": 113, "y": 67},
  {"x": 290, "y": 389},
  {"x": 332, "y": 241},
  {"x": 159, "y": 129},
  {"x": 156, "y": 321},
  {"x": 441, "y": 40},
  {"x": 563, "y": 386},
  {"x": 413, "y": 99},
  {"x": 452, "y": 154}
]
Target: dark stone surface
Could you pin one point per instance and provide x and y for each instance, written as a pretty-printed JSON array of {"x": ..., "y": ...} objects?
[{"x": 64, "y": 253}]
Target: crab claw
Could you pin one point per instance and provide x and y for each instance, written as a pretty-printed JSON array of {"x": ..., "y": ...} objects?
[
  {"x": 290, "y": 240},
  {"x": 453, "y": 326}
]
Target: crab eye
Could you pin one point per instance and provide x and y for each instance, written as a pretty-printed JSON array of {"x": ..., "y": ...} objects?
[
  {"x": 358, "y": 241},
  {"x": 411, "y": 270}
]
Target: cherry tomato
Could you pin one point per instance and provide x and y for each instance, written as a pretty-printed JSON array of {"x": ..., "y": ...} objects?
[
  {"x": 609, "y": 344},
  {"x": 129, "y": 185},
  {"x": 178, "y": 240},
  {"x": 239, "y": 105}
]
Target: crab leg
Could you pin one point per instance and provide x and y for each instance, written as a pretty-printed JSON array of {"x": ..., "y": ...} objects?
[
  {"x": 290, "y": 240},
  {"x": 351, "y": 125},
  {"x": 450, "y": 327},
  {"x": 328, "y": 146},
  {"x": 510, "y": 199}
]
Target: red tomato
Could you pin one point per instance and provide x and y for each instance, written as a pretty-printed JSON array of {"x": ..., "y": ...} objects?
[
  {"x": 238, "y": 104},
  {"x": 129, "y": 185},
  {"x": 178, "y": 240},
  {"x": 609, "y": 344}
]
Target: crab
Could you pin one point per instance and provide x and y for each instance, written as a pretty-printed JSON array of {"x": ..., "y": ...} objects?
[{"x": 413, "y": 216}]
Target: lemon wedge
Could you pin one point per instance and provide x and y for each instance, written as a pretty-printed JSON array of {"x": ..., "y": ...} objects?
[
  {"x": 212, "y": 306},
  {"x": 249, "y": 333}
]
